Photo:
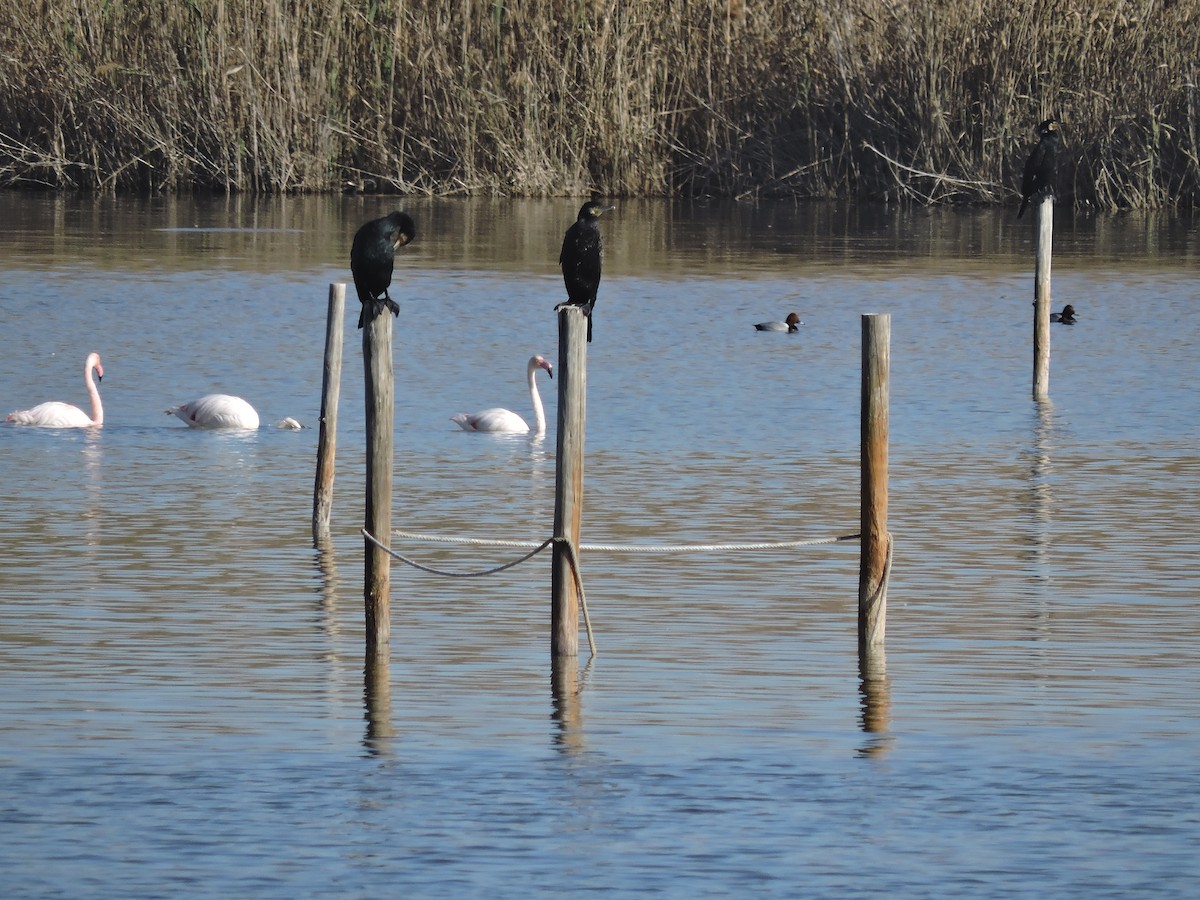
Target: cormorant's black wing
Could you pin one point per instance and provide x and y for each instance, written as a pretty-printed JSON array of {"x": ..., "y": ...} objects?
[{"x": 580, "y": 261}]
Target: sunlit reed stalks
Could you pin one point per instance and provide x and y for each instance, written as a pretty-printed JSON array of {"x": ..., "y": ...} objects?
[{"x": 927, "y": 101}]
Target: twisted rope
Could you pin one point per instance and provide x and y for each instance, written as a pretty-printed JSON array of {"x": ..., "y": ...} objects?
[
  {"x": 537, "y": 548},
  {"x": 631, "y": 548},
  {"x": 587, "y": 619}
]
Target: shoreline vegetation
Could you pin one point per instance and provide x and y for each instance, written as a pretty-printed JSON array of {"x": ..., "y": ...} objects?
[{"x": 926, "y": 102}]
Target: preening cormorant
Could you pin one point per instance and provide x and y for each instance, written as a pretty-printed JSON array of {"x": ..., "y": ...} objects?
[
  {"x": 582, "y": 252},
  {"x": 1040, "y": 167},
  {"x": 372, "y": 256}
]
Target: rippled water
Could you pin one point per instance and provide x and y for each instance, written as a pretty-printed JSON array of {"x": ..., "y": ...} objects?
[{"x": 183, "y": 708}]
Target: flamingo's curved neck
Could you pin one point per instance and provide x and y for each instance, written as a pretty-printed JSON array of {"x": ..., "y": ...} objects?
[
  {"x": 539, "y": 415},
  {"x": 94, "y": 394}
]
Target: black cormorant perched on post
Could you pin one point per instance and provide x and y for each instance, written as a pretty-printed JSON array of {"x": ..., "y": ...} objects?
[
  {"x": 371, "y": 259},
  {"x": 1040, "y": 167},
  {"x": 582, "y": 251}
]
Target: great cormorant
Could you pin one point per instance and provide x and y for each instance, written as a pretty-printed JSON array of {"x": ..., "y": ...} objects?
[
  {"x": 582, "y": 252},
  {"x": 1040, "y": 167},
  {"x": 372, "y": 256}
]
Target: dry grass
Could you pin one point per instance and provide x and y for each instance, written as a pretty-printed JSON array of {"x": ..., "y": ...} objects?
[{"x": 929, "y": 101}]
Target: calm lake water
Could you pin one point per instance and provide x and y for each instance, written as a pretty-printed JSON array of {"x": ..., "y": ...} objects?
[{"x": 183, "y": 708}]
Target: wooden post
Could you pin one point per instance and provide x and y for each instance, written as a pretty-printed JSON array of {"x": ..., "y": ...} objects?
[
  {"x": 380, "y": 420},
  {"x": 1041, "y": 298},
  {"x": 874, "y": 541},
  {"x": 568, "y": 486},
  {"x": 331, "y": 383}
]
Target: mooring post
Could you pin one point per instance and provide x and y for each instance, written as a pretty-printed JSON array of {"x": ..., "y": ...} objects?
[
  {"x": 331, "y": 382},
  {"x": 1044, "y": 211},
  {"x": 568, "y": 485},
  {"x": 380, "y": 420},
  {"x": 874, "y": 539}
]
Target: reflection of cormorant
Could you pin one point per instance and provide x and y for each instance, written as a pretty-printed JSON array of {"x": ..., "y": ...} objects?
[
  {"x": 1067, "y": 316},
  {"x": 1040, "y": 167},
  {"x": 582, "y": 251},
  {"x": 371, "y": 259}
]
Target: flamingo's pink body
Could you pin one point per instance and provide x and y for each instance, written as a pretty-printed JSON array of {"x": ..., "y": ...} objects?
[
  {"x": 216, "y": 411},
  {"x": 504, "y": 421},
  {"x": 63, "y": 415}
]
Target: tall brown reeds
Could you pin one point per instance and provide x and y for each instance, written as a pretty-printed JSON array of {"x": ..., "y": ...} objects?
[{"x": 930, "y": 101}]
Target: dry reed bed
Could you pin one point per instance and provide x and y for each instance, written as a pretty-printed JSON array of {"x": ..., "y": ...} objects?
[{"x": 931, "y": 101}]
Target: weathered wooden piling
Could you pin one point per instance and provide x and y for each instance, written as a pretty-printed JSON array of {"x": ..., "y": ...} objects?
[
  {"x": 331, "y": 382},
  {"x": 874, "y": 541},
  {"x": 568, "y": 490},
  {"x": 1044, "y": 211},
  {"x": 380, "y": 421}
]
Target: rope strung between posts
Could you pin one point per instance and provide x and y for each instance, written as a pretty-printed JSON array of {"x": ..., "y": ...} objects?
[
  {"x": 630, "y": 548},
  {"x": 538, "y": 548}
]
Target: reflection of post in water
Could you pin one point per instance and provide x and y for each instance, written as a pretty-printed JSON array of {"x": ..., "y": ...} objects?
[
  {"x": 93, "y": 462},
  {"x": 1041, "y": 506},
  {"x": 377, "y": 701},
  {"x": 876, "y": 695},
  {"x": 327, "y": 566},
  {"x": 1039, "y": 469},
  {"x": 565, "y": 687}
]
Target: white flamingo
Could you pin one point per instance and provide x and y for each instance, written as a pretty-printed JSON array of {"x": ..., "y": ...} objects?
[
  {"x": 63, "y": 415},
  {"x": 216, "y": 411},
  {"x": 499, "y": 420}
]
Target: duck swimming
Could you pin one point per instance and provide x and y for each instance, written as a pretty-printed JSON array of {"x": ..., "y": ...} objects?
[
  {"x": 1067, "y": 316},
  {"x": 792, "y": 323}
]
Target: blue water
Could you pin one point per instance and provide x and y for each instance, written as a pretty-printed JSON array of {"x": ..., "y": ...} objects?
[{"x": 183, "y": 705}]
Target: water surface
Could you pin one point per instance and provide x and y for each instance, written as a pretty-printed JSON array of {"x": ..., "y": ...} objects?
[{"x": 183, "y": 706}]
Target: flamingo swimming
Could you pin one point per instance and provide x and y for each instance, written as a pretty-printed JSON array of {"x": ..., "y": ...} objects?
[
  {"x": 54, "y": 414},
  {"x": 505, "y": 421},
  {"x": 216, "y": 411}
]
